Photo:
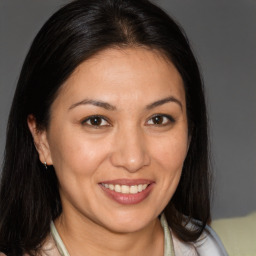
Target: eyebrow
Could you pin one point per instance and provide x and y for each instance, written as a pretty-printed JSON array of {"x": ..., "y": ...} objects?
[
  {"x": 164, "y": 101},
  {"x": 108, "y": 106},
  {"x": 96, "y": 103}
]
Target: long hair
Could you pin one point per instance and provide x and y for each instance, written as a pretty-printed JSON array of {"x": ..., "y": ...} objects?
[{"x": 29, "y": 195}]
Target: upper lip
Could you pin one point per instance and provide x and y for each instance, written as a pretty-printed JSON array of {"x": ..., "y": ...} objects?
[{"x": 128, "y": 182}]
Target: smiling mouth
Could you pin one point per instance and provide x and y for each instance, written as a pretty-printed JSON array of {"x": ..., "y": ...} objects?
[{"x": 125, "y": 189}]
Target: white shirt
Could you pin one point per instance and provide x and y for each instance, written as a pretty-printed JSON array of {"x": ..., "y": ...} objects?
[{"x": 208, "y": 244}]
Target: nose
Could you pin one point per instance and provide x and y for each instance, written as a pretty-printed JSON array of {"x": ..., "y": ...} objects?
[{"x": 130, "y": 151}]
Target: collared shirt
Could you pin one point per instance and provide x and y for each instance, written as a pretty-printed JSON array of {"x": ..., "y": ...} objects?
[{"x": 208, "y": 244}]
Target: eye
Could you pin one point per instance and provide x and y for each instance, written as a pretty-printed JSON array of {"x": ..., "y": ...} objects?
[
  {"x": 160, "y": 120},
  {"x": 96, "y": 121}
]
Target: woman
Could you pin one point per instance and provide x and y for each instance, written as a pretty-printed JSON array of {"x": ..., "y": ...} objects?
[{"x": 106, "y": 150}]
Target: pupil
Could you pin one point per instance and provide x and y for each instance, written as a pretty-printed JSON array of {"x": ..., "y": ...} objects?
[
  {"x": 158, "y": 120},
  {"x": 96, "y": 121}
]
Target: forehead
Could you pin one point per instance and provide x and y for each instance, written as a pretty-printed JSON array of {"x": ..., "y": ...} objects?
[{"x": 125, "y": 74}]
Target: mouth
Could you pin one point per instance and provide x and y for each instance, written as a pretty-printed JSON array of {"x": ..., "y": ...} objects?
[
  {"x": 125, "y": 189},
  {"x": 127, "y": 192}
]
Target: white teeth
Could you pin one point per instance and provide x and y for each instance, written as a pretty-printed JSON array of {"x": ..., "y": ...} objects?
[
  {"x": 133, "y": 189},
  {"x": 111, "y": 186},
  {"x": 144, "y": 186},
  {"x": 124, "y": 189},
  {"x": 117, "y": 188}
]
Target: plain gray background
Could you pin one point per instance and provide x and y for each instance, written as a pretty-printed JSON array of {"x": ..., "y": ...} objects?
[{"x": 223, "y": 36}]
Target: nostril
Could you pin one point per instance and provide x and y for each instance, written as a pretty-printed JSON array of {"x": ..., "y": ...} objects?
[
  {"x": 131, "y": 162},
  {"x": 130, "y": 150}
]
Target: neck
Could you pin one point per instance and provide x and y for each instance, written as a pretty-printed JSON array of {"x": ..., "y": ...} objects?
[{"x": 84, "y": 237}]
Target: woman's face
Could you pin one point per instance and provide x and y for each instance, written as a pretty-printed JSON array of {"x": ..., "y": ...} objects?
[{"x": 117, "y": 138}]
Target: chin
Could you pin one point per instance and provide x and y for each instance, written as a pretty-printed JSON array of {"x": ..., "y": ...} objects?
[{"x": 129, "y": 223}]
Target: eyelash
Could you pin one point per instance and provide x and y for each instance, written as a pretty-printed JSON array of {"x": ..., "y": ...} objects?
[
  {"x": 163, "y": 117},
  {"x": 169, "y": 120},
  {"x": 101, "y": 118}
]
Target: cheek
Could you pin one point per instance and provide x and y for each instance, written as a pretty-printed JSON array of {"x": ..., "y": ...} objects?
[
  {"x": 76, "y": 155},
  {"x": 169, "y": 154},
  {"x": 171, "y": 151}
]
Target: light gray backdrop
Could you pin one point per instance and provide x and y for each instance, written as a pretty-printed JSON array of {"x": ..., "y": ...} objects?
[{"x": 223, "y": 36}]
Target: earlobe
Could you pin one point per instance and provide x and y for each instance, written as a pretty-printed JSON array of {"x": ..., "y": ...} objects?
[{"x": 40, "y": 141}]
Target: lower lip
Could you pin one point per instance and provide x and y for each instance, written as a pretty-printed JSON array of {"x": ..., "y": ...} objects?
[{"x": 128, "y": 199}]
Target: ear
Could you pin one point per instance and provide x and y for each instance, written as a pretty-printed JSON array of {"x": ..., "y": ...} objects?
[{"x": 40, "y": 141}]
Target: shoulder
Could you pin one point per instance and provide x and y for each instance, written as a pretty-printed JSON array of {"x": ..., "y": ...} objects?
[
  {"x": 208, "y": 244},
  {"x": 49, "y": 247}
]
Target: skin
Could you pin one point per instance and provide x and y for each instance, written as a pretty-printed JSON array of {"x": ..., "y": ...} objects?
[{"x": 128, "y": 144}]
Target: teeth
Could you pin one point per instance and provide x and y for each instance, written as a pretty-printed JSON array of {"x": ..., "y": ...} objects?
[
  {"x": 118, "y": 188},
  {"x": 124, "y": 189},
  {"x": 144, "y": 186},
  {"x": 133, "y": 189}
]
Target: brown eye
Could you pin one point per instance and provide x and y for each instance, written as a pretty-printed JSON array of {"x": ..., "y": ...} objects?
[
  {"x": 160, "y": 120},
  {"x": 95, "y": 121},
  {"x": 157, "y": 120}
]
